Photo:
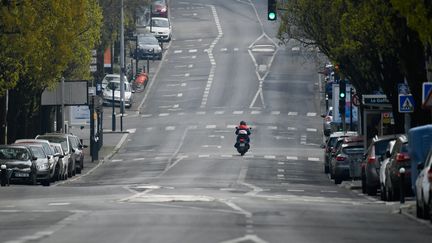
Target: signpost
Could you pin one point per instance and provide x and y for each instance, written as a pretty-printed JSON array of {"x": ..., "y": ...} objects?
[{"x": 406, "y": 103}]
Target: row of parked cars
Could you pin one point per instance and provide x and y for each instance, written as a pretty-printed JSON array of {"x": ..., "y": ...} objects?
[
  {"x": 389, "y": 165},
  {"x": 44, "y": 159}
]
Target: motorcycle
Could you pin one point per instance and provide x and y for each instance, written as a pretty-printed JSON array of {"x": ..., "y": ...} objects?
[{"x": 242, "y": 144}]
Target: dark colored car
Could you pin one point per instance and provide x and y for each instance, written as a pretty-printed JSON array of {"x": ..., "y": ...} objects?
[
  {"x": 398, "y": 159},
  {"x": 371, "y": 164},
  {"x": 43, "y": 171},
  {"x": 330, "y": 144},
  {"x": 160, "y": 8},
  {"x": 78, "y": 152},
  {"x": 22, "y": 162},
  {"x": 346, "y": 160},
  {"x": 149, "y": 47}
]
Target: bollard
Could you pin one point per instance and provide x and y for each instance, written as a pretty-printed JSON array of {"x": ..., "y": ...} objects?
[
  {"x": 402, "y": 183},
  {"x": 4, "y": 175}
]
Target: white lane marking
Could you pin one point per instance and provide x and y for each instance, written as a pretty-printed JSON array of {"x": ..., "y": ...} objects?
[
  {"x": 178, "y": 51},
  {"x": 210, "y": 126},
  {"x": 248, "y": 156},
  {"x": 180, "y": 95},
  {"x": 116, "y": 160},
  {"x": 311, "y": 129},
  {"x": 292, "y": 113},
  {"x": 58, "y": 204},
  {"x": 280, "y": 175},
  {"x": 219, "y": 112},
  {"x": 187, "y": 74},
  {"x": 231, "y": 126},
  {"x": 149, "y": 128},
  {"x": 238, "y": 112},
  {"x": 292, "y": 129},
  {"x": 170, "y": 128},
  {"x": 313, "y": 159},
  {"x": 281, "y": 163},
  {"x": 193, "y": 50},
  {"x": 223, "y": 49},
  {"x": 146, "y": 115},
  {"x": 275, "y": 112},
  {"x": 281, "y": 170},
  {"x": 236, "y": 49},
  {"x": 190, "y": 66},
  {"x": 329, "y": 191},
  {"x": 226, "y": 156},
  {"x": 269, "y": 157},
  {"x": 180, "y": 66},
  {"x": 272, "y": 127},
  {"x": 204, "y": 156},
  {"x": 303, "y": 139},
  {"x": 164, "y": 114},
  {"x": 311, "y": 114},
  {"x": 255, "y": 112},
  {"x": 200, "y": 112},
  {"x": 138, "y": 159},
  {"x": 292, "y": 158},
  {"x": 295, "y": 190}
]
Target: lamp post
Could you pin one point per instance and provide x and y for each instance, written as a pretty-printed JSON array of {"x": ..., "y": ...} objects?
[{"x": 122, "y": 67}]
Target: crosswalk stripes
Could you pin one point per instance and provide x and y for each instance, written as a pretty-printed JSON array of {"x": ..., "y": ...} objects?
[{"x": 220, "y": 112}]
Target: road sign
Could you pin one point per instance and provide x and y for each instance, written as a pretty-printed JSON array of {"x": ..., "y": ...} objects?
[
  {"x": 406, "y": 103},
  {"x": 427, "y": 87},
  {"x": 356, "y": 100},
  {"x": 403, "y": 89},
  {"x": 374, "y": 100}
]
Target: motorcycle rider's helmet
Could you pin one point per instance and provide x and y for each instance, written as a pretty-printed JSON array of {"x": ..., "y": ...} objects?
[{"x": 243, "y": 123}]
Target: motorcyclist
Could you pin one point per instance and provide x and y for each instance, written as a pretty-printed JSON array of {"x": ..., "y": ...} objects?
[{"x": 242, "y": 131}]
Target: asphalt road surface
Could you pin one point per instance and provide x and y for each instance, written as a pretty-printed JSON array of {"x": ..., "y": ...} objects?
[{"x": 177, "y": 177}]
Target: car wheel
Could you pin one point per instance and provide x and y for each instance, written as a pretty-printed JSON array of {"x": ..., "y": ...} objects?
[
  {"x": 363, "y": 183},
  {"x": 430, "y": 206},
  {"x": 326, "y": 169},
  {"x": 426, "y": 210},
  {"x": 32, "y": 179},
  {"x": 337, "y": 180},
  {"x": 371, "y": 190},
  {"x": 47, "y": 182},
  {"x": 78, "y": 170}
]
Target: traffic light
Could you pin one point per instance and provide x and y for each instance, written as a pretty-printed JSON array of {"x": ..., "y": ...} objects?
[
  {"x": 342, "y": 96},
  {"x": 271, "y": 10}
]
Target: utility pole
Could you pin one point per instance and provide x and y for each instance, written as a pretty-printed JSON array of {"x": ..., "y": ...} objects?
[
  {"x": 5, "y": 118},
  {"x": 122, "y": 68},
  {"x": 62, "y": 106}
]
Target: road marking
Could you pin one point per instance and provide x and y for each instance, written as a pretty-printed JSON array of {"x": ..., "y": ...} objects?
[
  {"x": 295, "y": 190},
  {"x": 190, "y": 66},
  {"x": 170, "y": 128},
  {"x": 292, "y": 113},
  {"x": 231, "y": 126},
  {"x": 146, "y": 115},
  {"x": 275, "y": 112},
  {"x": 178, "y": 51},
  {"x": 116, "y": 160},
  {"x": 180, "y": 95},
  {"x": 138, "y": 159},
  {"x": 210, "y": 126},
  {"x": 311, "y": 114},
  {"x": 292, "y": 158},
  {"x": 311, "y": 129},
  {"x": 236, "y": 49},
  {"x": 281, "y": 163},
  {"x": 281, "y": 170},
  {"x": 187, "y": 74},
  {"x": 164, "y": 114},
  {"x": 269, "y": 157},
  {"x": 280, "y": 175},
  {"x": 238, "y": 112},
  {"x": 200, "y": 113},
  {"x": 204, "y": 156},
  {"x": 292, "y": 129},
  {"x": 149, "y": 128},
  {"x": 223, "y": 49},
  {"x": 303, "y": 139},
  {"x": 329, "y": 191},
  {"x": 272, "y": 127},
  {"x": 255, "y": 112},
  {"x": 219, "y": 112},
  {"x": 226, "y": 155},
  {"x": 193, "y": 50},
  {"x": 58, "y": 204},
  {"x": 313, "y": 159}
]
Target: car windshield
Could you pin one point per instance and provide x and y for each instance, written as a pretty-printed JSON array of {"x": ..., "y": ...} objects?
[
  {"x": 56, "y": 139},
  {"x": 14, "y": 154},
  {"x": 116, "y": 86},
  {"x": 146, "y": 40},
  {"x": 353, "y": 150},
  {"x": 38, "y": 152},
  {"x": 160, "y": 23}
]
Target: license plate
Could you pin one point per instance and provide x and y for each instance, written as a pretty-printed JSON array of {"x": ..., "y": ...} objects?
[
  {"x": 20, "y": 174},
  {"x": 242, "y": 145}
]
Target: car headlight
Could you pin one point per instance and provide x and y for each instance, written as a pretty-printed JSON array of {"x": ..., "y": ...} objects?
[{"x": 44, "y": 166}]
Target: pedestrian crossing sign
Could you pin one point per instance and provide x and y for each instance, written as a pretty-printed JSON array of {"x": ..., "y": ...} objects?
[{"x": 406, "y": 103}]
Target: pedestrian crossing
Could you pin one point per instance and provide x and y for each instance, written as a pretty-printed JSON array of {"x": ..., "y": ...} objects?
[
  {"x": 236, "y": 112},
  {"x": 231, "y": 127}
]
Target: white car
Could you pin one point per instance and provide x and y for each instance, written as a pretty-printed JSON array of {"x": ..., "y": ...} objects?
[
  {"x": 382, "y": 174},
  {"x": 109, "y": 77},
  {"x": 115, "y": 85},
  {"x": 161, "y": 28},
  {"x": 327, "y": 121},
  {"x": 62, "y": 161},
  {"x": 424, "y": 189}
]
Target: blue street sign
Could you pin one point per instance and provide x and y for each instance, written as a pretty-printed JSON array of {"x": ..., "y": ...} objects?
[
  {"x": 427, "y": 87},
  {"x": 406, "y": 103}
]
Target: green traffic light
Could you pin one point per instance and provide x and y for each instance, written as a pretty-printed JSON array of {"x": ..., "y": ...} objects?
[
  {"x": 272, "y": 15},
  {"x": 342, "y": 95}
]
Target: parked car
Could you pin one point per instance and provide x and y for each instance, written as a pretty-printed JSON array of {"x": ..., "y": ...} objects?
[
  {"x": 66, "y": 144},
  {"x": 78, "y": 152},
  {"x": 161, "y": 28},
  {"x": 327, "y": 120},
  {"x": 345, "y": 164},
  {"x": 115, "y": 85},
  {"x": 43, "y": 173},
  {"x": 52, "y": 159},
  {"x": 399, "y": 159},
  {"x": 420, "y": 141},
  {"x": 160, "y": 8},
  {"x": 58, "y": 151},
  {"x": 383, "y": 167},
  {"x": 372, "y": 162},
  {"x": 329, "y": 148},
  {"x": 424, "y": 188},
  {"x": 149, "y": 47},
  {"x": 110, "y": 77},
  {"x": 20, "y": 159}
]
